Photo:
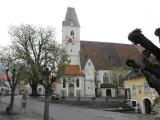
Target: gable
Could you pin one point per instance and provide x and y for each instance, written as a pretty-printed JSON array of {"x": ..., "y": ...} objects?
[{"x": 89, "y": 64}]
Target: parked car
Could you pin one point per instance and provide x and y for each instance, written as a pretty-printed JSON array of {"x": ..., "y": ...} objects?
[{"x": 54, "y": 97}]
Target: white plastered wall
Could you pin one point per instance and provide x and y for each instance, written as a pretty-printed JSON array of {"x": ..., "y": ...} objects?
[{"x": 89, "y": 72}]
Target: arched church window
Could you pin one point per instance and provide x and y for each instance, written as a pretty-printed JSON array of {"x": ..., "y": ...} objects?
[
  {"x": 77, "y": 82},
  {"x": 105, "y": 78},
  {"x": 72, "y": 33},
  {"x": 64, "y": 83}
]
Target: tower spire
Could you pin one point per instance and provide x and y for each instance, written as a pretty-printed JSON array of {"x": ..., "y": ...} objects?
[{"x": 71, "y": 18}]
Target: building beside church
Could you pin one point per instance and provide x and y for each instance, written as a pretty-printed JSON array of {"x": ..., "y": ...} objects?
[
  {"x": 4, "y": 85},
  {"x": 91, "y": 62},
  {"x": 138, "y": 91}
]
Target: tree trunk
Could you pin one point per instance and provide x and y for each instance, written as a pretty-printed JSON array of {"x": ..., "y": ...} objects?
[
  {"x": 10, "y": 107},
  {"x": 47, "y": 94},
  {"x": 34, "y": 89},
  {"x": 46, "y": 107}
]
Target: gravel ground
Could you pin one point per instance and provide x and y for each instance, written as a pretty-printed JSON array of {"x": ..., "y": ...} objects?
[
  {"x": 18, "y": 114},
  {"x": 66, "y": 112}
]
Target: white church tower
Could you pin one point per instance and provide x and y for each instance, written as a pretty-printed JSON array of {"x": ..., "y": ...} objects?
[{"x": 71, "y": 36}]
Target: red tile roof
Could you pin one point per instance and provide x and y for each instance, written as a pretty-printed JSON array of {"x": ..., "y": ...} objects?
[
  {"x": 55, "y": 83},
  {"x": 3, "y": 77},
  {"x": 73, "y": 70}
]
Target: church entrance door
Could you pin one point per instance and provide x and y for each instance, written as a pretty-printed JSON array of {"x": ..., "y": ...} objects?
[
  {"x": 108, "y": 92},
  {"x": 71, "y": 90},
  {"x": 147, "y": 105}
]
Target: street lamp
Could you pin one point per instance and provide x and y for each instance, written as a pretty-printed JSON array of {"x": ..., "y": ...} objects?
[{"x": 157, "y": 33}]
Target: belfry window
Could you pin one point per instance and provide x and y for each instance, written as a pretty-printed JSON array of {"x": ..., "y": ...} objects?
[
  {"x": 77, "y": 82},
  {"x": 72, "y": 33},
  {"x": 64, "y": 83},
  {"x": 105, "y": 78}
]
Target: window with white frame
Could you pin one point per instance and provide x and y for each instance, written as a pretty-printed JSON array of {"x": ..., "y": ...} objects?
[
  {"x": 133, "y": 89},
  {"x": 146, "y": 87},
  {"x": 77, "y": 82},
  {"x": 134, "y": 103},
  {"x": 64, "y": 83},
  {"x": 72, "y": 33},
  {"x": 105, "y": 78}
]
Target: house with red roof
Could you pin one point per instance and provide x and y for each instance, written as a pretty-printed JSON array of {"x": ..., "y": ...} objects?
[{"x": 4, "y": 85}]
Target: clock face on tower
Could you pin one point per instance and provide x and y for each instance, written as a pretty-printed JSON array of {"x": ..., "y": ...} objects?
[{"x": 70, "y": 40}]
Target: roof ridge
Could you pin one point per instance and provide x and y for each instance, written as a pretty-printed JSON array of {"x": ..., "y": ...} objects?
[{"x": 106, "y": 42}]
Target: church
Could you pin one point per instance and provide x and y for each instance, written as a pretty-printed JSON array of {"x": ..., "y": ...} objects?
[{"x": 88, "y": 74}]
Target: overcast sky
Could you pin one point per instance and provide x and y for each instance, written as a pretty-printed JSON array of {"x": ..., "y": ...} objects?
[{"x": 100, "y": 20}]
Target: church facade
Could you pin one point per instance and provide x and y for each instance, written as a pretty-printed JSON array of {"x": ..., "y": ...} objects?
[{"x": 88, "y": 74}]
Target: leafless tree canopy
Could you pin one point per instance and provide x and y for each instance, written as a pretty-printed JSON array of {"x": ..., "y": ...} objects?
[
  {"x": 14, "y": 70},
  {"x": 37, "y": 47}
]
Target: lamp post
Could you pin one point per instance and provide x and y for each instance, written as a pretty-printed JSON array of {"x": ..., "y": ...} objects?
[
  {"x": 157, "y": 33},
  {"x": 49, "y": 79}
]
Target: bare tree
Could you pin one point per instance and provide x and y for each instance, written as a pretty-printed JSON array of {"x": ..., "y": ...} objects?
[
  {"x": 116, "y": 76},
  {"x": 45, "y": 59},
  {"x": 32, "y": 45},
  {"x": 53, "y": 70},
  {"x": 14, "y": 71}
]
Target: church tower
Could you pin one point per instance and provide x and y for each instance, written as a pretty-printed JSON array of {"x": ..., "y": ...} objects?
[{"x": 71, "y": 35}]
